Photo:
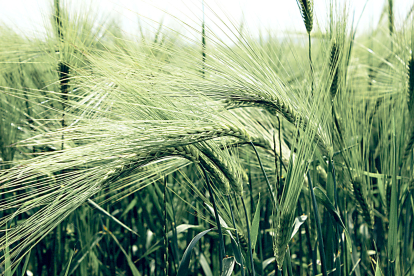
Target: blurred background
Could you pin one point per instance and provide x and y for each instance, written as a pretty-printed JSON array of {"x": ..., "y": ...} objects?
[{"x": 29, "y": 16}]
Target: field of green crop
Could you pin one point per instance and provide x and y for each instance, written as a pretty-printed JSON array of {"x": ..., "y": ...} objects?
[{"x": 169, "y": 154}]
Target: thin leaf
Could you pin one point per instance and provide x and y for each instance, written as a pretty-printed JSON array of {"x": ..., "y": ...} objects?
[
  {"x": 100, "y": 209},
  {"x": 322, "y": 198},
  {"x": 185, "y": 261},
  {"x": 130, "y": 206},
  {"x": 268, "y": 262},
  {"x": 236, "y": 251},
  {"x": 7, "y": 265},
  {"x": 228, "y": 266},
  {"x": 296, "y": 225},
  {"x": 87, "y": 249},
  {"x": 255, "y": 224},
  {"x": 131, "y": 264},
  {"x": 26, "y": 262},
  {"x": 180, "y": 228},
  {"x": 70, "y": 261},
  {"x": 204, "y": 263}
]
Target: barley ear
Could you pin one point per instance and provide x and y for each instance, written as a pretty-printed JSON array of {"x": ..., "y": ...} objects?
[
  {"x": 361, "y": 196},
  {"x": 391, "y": 16},
  {"x": 410, "y": 103},
  {"x": 233, "y": 174},
  {"x": 410, "y": 75},
  {"x": 333, "y": 65},
  {"x": 282, "y": 233},
  {"x": 221, "y": 182},
  {"x": 306, "y": 10}
]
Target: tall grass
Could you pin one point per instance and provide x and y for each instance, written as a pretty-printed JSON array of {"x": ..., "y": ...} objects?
[{"x": 119, "y": 156}]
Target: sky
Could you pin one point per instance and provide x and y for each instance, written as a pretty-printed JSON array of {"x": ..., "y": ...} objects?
[{"x": 29, "y": 16}]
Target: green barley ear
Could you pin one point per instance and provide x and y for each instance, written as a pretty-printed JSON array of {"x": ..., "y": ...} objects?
[
  {"x": 410, "y": 103},
  {"x": 306, "y": 10},
  {"x": 225, "y": 167},
  {"x": 58, "y": 20},
  {"x": 361, "y": 196},
  {"x": 390, "y": 17},
  {"x": 333, "y": 65},
  {"x": 410, "y": 74},
  {"x": 282, "y": 232},
  {"x": 220, "y": 180}
]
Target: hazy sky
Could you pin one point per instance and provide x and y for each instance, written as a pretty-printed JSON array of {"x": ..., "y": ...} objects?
[{"x": 29, "y": 15}]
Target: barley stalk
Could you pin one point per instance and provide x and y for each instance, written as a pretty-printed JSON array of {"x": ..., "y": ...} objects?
[
  {"x": 165, "y": 228},
  {"x": 237, "y": 234}
]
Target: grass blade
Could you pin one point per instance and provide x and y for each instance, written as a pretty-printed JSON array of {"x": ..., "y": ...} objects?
[
  {"x": 131, "y": 264},
  {"x": 7, "y": 264},
  {"x": 296, "y": 225},
  {"x": 105, "y": 213},
  {"x": 70, "y": 261},
  {"x": 222, "y": 252},
  {"x": 255, "y": 224},
  {"x": 228, "y": 266},
  {"x": 237, "y": 249},
  {"x": 248, "y": 235},
  {"x": 185, "y": 261},
  {"x": 318, "y": 227}
]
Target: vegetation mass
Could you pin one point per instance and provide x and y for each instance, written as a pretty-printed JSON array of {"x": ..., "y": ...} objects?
[{"x": 169, "y": 153}]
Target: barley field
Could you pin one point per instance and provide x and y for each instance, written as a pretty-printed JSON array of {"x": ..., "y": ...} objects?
[{"x": 175, "y": 153}]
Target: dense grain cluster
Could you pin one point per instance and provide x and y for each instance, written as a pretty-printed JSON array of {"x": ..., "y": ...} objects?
[
  {"x": 410, "y": 104},
  {"x": 280, "y": 107},
  {"x": 361, "y": 196},
  {"x": 334, "y": 70},
  {"x": 306, "y": 8},
  {"x": 235, "y": 174},
  {"x": 282, "y": 236}
]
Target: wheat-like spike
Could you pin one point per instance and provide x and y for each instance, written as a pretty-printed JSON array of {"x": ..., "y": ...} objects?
[
  {"x": 202, "y": 135},
  {"x": 188, "y": 152},
  {"x": 235, "y": 176},
  {"x": 244, "y": 244},
  {"x": 364, "y": 206},
  {"x": 282, "y": 108},
  {"x": 282, "y": 232},
  {"x": 388, "y": 196},
  {"x": 333, "y": 64},
  {"x": 231, "y": 170},
  {"x": 271, "y": 103},
  {"x": 242, "y": 239},
  {"x": 410, "y": 74},
  {"x": 222, "y": 183},
  {"x": 410, "y": 103},
  {"x": 306, "y": 10},
  {"x": 408, "y": 147},
  {"x": 391, "y": 16}
]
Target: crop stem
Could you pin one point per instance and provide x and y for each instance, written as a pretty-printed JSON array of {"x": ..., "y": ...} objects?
[{"x": 222, "y": 252}]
